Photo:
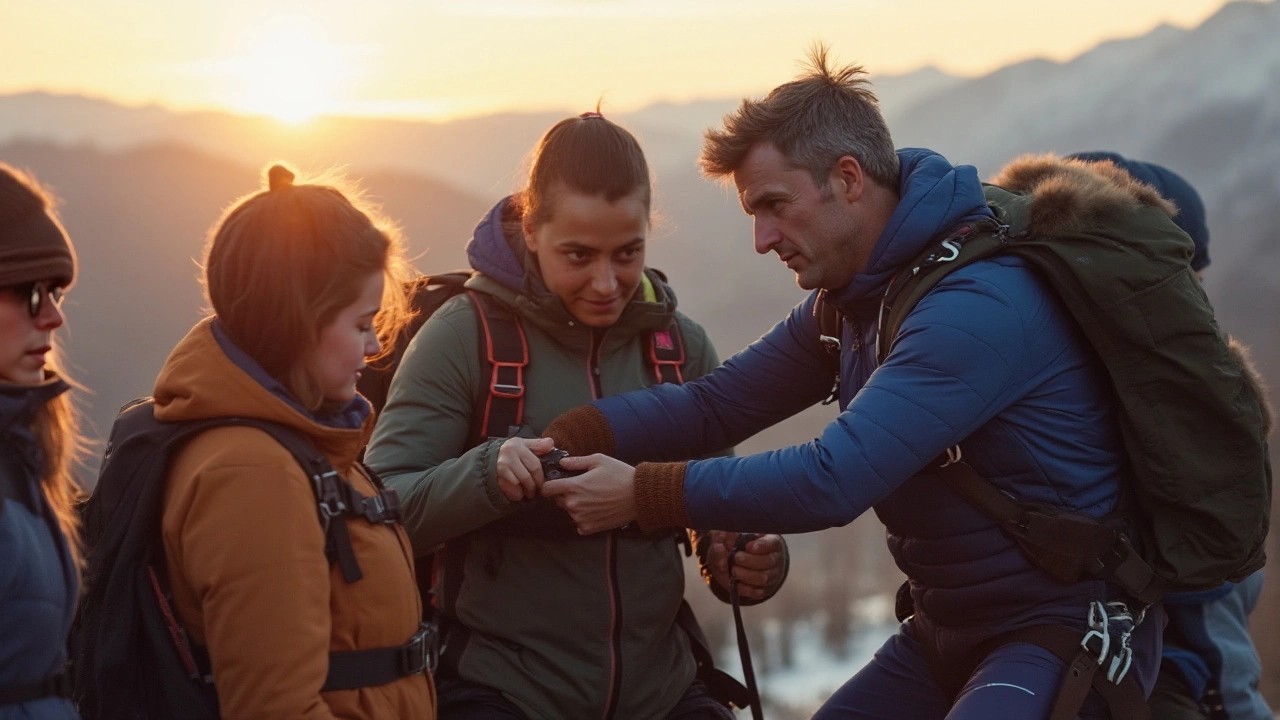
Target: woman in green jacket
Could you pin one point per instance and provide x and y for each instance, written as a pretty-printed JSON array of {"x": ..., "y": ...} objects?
[{"x": 543, "y": 622}]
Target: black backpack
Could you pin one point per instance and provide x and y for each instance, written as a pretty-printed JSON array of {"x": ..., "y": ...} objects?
[
  {"x": 131, "y": 658},
  {"x": 504, "y": 354}
]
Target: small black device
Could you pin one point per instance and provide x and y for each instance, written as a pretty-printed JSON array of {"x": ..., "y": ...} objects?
[
  {"x": 551, "y": 469},
  {"x": 741, "y": 543}
]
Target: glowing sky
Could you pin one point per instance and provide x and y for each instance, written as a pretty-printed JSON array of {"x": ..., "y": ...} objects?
[{"x": 415, "y": 58}]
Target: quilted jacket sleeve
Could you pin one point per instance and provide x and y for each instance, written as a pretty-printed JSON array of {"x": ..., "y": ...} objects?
[
  {"x": 777, "y": 376},
  {"x": 959, "y": 360}
]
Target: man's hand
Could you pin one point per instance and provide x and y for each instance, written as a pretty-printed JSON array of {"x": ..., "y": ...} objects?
[
  {"x": 519, "y": 470},
  {"x": 602, "y": 498},
  {"x": 759, "y": 568}
]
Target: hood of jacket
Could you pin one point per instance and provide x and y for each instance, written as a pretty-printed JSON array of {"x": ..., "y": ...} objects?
[
  {"x": 19, "y": 403},
  {"x": 18, "y": 407},
  {"x": 204, "y": 378},
  {"x": 1067, "y": 195},
  {"x": 935, "y": 197},
  {"x": 509, "y": 272}
]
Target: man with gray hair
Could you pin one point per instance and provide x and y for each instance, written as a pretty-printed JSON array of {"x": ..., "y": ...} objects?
[{"x": 990, "y": 358}]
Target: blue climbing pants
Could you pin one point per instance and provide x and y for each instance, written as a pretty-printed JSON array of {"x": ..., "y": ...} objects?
[{"x": 1015, "y": 681}]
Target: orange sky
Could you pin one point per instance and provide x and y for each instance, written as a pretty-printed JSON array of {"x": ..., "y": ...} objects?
[{"x": 415, "y": 58}]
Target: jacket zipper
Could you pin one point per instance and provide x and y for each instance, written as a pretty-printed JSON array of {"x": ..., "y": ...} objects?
[{"x": 611, "y": 557}]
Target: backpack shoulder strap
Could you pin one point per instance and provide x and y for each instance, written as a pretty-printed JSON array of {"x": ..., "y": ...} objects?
[
  {"x": 830, "y": 330},
  {"x": 1067, "y": 546},
  {"x": 504, "y": 354},
  {"x": 426, "y": 294},
  {"x": 336, "y": 498},
  {"x": 666, "y": 353},
  {"x": 964, "y": 246},
  {"x": 830, "y": 325}
]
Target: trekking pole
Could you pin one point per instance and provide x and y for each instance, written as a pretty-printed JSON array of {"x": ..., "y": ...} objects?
[{"x": 744, "y": 650}]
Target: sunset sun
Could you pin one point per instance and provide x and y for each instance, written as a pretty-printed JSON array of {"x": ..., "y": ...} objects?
[{"x": 294, "y": 75}]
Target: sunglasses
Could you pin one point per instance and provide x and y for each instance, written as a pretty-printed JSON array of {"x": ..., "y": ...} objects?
[{"x": 37, "y": 294}]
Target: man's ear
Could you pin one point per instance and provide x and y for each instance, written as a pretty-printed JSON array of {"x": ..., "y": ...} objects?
[{"x": 847, "y": 178}]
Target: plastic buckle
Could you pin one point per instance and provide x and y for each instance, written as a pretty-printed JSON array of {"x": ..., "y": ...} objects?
[
  {"x": 507, "y": 390},
  {"x": 383, "y": 507},
  {"x": 1097, "y": 629},
  {"x": 331, "y": 504},
  {"x": 422, "y": 652}
]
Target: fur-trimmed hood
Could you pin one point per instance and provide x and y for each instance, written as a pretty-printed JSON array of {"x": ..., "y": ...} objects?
[
  {"x": 1070, "y": 195},
  {"x": 1243, "y": 356}
]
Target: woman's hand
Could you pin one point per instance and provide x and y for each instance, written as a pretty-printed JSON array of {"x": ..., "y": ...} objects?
[
  {"x": 519, "y": 470},
  {"x": 602, "y": 498},
  {"x": 758, "y": 568}
]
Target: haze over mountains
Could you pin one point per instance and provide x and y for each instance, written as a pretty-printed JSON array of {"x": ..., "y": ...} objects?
[{"x": 141, "y": 186}]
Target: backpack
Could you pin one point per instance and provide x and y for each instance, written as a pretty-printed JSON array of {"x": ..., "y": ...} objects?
[
  {"x": 131, "y": 658},
  {"x": 504, "y": 354},
  {"x": 1191, "y": 421}
]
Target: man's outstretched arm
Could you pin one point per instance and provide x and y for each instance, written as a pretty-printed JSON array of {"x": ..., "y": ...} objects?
[
  {"x": 777, "y": 376},
  {"x": 961, "y": 358}
]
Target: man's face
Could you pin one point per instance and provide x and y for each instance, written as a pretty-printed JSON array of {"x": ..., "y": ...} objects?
[{"x": 812, "y": 228}]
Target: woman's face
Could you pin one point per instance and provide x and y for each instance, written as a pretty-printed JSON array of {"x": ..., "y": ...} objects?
[
  {"x": 339, "y": 356},
  {"x": 591, "y": 253},
  {"x": 26, "y": 340}
]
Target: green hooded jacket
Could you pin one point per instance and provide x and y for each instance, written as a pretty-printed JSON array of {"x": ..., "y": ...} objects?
[{"x": 564, "y": 627}]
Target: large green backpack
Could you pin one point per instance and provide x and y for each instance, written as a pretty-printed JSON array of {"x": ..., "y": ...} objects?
[{"x": 1193, "y": 422}]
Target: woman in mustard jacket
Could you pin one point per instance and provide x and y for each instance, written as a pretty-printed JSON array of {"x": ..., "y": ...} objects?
[{"x": 304, "y": 285}]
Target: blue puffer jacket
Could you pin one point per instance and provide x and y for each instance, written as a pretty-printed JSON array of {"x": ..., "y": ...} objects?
[
  {"x": 990, "y": 359},
  {"x": 37, "y": 579}
]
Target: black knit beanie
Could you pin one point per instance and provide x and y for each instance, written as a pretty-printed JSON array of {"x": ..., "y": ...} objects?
[{"x": 33, "y": 245}]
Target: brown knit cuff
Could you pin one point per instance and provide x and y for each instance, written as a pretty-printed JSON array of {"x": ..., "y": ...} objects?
[
  {"x": 660, "y": 496},
  {"x": 582, "y": 431}
]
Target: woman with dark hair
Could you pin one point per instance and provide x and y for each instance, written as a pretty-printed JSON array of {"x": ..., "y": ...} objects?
[
  {"x": 305, "y": 285},
  {"x": 541, "y": 622},
  {"x": 39, "y": 547}
]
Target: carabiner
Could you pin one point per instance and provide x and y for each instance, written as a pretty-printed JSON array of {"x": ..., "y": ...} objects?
[
  {"x": 952, "y": 246},
  {"x": 1097, "y": 628}
]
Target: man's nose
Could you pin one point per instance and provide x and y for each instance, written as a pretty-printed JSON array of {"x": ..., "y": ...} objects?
[{"x": 766, "y": 236}]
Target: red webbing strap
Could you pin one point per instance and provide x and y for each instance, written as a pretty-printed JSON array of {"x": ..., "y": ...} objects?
[
  {"x": 176, "y": 632},
  {"x": 504, "y": 350},
  {"x": 666, "y": 354}
]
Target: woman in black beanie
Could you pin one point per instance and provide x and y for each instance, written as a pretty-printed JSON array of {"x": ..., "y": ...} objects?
[{"x": 39, "y": 550}]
